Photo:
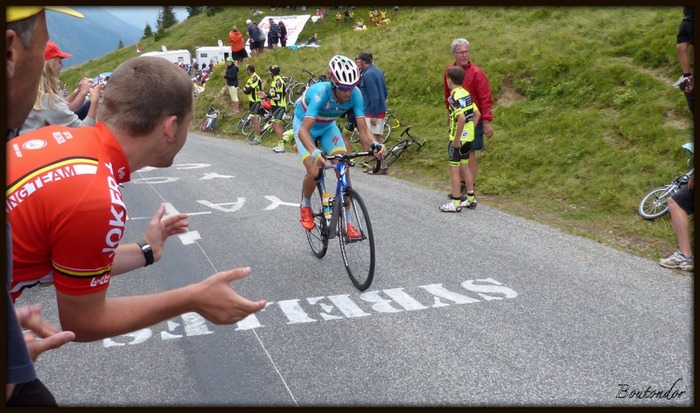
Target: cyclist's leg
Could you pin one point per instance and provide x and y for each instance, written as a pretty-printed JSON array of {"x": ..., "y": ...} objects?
[
  {"x": 255, "y": 108},
  {"x": 309, "y": 183},
  {"x": 476, "y": 145},
  {"x": 277, "y": 125}
]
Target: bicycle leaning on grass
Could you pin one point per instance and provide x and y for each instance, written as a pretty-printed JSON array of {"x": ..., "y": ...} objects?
[
  {"x": 331, "y": 220},
  {"x": 655, "y": 203},
  {"x": 392, "y": 122}
]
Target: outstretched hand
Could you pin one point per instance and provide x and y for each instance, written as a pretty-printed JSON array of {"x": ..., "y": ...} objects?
[
  {"x": 160, "y": 228},
  {"x": 43, "y": 335},
  {"x": 219, "y": 303}
]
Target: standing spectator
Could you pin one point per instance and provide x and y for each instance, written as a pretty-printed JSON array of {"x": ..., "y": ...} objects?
[
  {"x": 144, "y": 122},
  {"x": 238, "y": 51},
  {"x": 231, "y": 76},
  {"x": 680, "y": 206},
  {"x": 273, "y": 36},
  {"x": 195, "y": 67},
  {"x": 257, "y": 36},
  {"x": 374, "y": 95},
  {"x": 684, "y": 38},
  {"x": 26, "y": 36},
  {"x": 50, "y": 107},
  {"x": 477, "y": 84},
  {"x": 463, "y": 115},
  {"x": 253, "y": 89},
  {"x": 283, "y": 34},
  {"x": 279, "y": 104}
]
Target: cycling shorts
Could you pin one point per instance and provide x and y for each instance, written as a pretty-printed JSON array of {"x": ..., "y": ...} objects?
[
  {"x": 278, "y": 112},
  {"x": 328, "y": 140},
  {"x": 685, "y": 32},
  {"x": 256, "y": 108},
  {"x": 458, "y": 156}
]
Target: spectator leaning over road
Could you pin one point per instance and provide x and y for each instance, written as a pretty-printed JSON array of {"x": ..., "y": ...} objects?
[
  {"x": 252, "y": 89},
  {"x": 374, "y": 94},
  {"x": 680, "y": 207},
  {"x": 463, "y": 115},
  {"x": 238, "y": 51},
  {"x": 685, "y": 38},
  {"x": 273, "y": 35},
  {"x": 231, "y": 76},
  {"x": 26, "y": 35},
  {"x": 477, "y": 84},
  {"x": 144, "y": 121},
  {"x": 50, "y": 107},
  {"x": 279, "y": 105}
]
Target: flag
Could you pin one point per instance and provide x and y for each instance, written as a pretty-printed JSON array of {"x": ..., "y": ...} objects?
[{"x": 138, "y": 48}]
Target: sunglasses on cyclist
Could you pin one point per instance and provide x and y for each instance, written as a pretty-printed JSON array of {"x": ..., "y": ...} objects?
[{"x": 344, "y": 88}]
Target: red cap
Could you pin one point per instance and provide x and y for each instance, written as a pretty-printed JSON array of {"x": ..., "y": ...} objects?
[{"x": 52, "y": 51}]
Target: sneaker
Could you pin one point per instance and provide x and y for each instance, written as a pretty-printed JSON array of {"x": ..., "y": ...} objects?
[
  {"x": 469, "y": 203},
  {"x": 366, "y": 167},
  {"x": 256, "y": 141},
  {"x": 678, "y": 260},
  {"x": 353, "y": 232},
  {"x": 307, "y": 218},
  {"x": 278, "y": 149},
  {"x": 451, "y": 207}
]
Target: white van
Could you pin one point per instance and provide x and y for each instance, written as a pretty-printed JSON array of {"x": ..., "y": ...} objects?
[
  {"x": 176, "y": 56},
  {"x": 217, "y": 54}
]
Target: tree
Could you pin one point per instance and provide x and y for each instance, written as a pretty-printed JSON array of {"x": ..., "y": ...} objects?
[
  {"x": 166, "y": 18},
  {"x": 193, "y": 10},
  {"x": 147, "y": 32}
]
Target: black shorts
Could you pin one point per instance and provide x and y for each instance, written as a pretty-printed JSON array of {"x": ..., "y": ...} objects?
[
  {"x": 278, "y": 112},
  {"x": 258, "y": 44},
  {"x": 458, "y": 155},
  {"x": 240, "y": 55},
  {"x": 685, "y": 32},
  {"x": 684, "y": 199},
  {"x": 256, "y": 108}
]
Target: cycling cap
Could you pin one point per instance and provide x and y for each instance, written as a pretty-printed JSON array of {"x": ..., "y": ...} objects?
[
  {"x": 343, "y": 71},
  {"x": 275, "y": 69}
]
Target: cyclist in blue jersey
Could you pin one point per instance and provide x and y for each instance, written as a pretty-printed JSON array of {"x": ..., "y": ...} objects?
[{"x": 316, "y": 131}]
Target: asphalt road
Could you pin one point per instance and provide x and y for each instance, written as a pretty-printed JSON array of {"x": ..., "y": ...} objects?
[{"x": 479, "y": 308}]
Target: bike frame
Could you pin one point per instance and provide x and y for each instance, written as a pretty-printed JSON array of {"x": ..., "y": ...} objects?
[{"x": 341, "y": 170}]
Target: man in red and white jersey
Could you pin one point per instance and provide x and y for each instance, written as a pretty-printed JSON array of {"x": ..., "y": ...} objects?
[{"x": 65, "y": 206}]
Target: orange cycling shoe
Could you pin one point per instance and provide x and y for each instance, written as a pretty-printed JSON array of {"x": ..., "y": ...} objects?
[
  {"x": 307, "y": 218},
  {"x": 353, "y": 232}
]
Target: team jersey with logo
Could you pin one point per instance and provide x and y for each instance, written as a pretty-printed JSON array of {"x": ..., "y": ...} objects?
[
  {"x": 65, "y": 207},
  {"x": 460, "y": 102},
  {"x": 318, "y": 103}
]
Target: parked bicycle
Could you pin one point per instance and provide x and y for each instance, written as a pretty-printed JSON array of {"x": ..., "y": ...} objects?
[
  {"x": 655, "y": 203},
  {"x": 392, "y": 122},
  {"x": 330, "y": 221},
  {"x": 210, "y": 118},
  {"x": 296, "y": 88},
  {"x": 266, "y": 121},
  {"x": 395, "y": 151}
]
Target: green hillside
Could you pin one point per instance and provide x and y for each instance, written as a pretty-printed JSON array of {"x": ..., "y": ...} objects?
[{"x": 586, "y": 120}]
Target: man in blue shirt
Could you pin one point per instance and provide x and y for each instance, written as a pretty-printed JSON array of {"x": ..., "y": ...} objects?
[{"x": 374, "y": 94}]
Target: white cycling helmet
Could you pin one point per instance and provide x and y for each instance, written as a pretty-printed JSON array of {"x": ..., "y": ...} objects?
[{"x": 343, "y": 71}]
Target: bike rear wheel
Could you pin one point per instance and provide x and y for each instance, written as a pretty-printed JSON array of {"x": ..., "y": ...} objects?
[
  {"x": 655, "y": 203},
  {"x": 245, "y": 125},
  {"x": 318, "y": 237},
  {"x": 358, "y": 253}
]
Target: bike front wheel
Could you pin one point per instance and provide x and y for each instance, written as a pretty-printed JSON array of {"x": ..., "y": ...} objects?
[
  {"x": 245, "y": 125},
  {"x": 394, "y": 153},
  {"x": 318, "y": 236},
  {"x": 357, "y": 252},
  {"x": 655, "y": 203}
]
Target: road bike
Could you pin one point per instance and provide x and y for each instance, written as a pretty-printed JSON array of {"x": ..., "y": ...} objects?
[
  {"x": 392, "y": 122},
  {"x": 655, "y": 203},
  {"x": 266, "y": 122},
  {"x": 295, "y": 88},
  {"x": 331, "y": 220},
  {"x": 393, "y": 153}
]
